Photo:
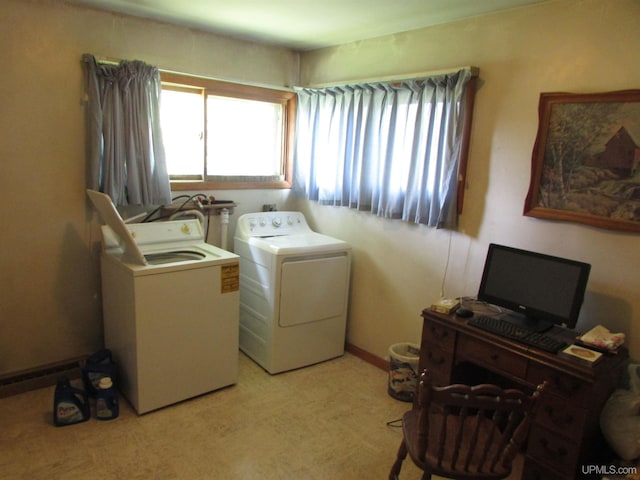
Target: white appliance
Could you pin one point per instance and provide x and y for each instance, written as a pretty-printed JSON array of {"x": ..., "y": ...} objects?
[
  {"x": 171, "y": 309},
  {"x": 294, "y": 287}
]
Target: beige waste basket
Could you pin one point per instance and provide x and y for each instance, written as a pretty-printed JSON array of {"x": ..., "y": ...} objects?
[{"x": 403, "y": 370}]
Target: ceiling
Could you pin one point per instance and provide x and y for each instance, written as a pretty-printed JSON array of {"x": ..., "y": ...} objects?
[{"x": 306, "y": 24}]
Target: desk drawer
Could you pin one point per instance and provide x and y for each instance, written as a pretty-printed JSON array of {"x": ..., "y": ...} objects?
[
  {"x": 555, "y": 413},
  {"x": 487, "y": 355},
  {"x": 576, "y": 391},
  {"x": 444, "y": 337},
  {"x": 553, "y": 450},
  {"x": 438, "y": 361}
]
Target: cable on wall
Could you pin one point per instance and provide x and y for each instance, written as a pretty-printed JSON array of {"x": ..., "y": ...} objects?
[{"x": 446, "y": 267}]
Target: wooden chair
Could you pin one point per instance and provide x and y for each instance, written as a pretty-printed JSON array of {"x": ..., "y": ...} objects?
[{"x": 465, "y": 432}]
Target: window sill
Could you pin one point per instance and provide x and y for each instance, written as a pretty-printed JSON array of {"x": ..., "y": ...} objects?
[{"x": 191, "y": 185}]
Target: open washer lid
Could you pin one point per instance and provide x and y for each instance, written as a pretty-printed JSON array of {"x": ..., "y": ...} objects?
[
  {"x": 148, "y": 243},
  {"x": 112, "y": 218}
]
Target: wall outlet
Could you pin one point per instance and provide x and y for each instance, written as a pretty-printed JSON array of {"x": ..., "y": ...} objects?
[{"x": 269, "y": 207}]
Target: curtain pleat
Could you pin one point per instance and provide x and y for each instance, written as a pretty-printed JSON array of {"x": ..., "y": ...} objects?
[
  {"x": 125, "y": 152},
  {"x": 389, "y": 148}
]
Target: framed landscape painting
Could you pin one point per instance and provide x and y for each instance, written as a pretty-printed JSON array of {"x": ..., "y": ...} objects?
[{"x": 586, "y": 159}]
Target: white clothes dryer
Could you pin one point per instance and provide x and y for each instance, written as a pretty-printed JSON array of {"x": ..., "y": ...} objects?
[
  {"x": 170, "y": 307},
  {"x": 294, "y": 290}
]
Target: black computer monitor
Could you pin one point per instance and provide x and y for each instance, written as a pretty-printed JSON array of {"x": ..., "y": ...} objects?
[{"x": 541, "y": 290}]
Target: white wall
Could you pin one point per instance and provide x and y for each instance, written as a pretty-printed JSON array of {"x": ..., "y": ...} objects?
[
  {"x": 563, "y": 45},
  {"x": 50, "y": 306}
]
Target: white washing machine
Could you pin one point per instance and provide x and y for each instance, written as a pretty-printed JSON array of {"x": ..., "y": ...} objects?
[
  {"x": 294, "y": 289},
  {"x": 171, "y": 309}
]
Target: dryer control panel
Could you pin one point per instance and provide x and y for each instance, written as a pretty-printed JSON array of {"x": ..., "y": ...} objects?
[{"x": 268, "y": 224}]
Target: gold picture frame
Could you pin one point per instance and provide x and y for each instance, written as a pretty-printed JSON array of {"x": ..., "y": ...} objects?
[{"x": 585, "y": 166}]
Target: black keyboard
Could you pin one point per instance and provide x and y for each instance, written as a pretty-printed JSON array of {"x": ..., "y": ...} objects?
[{"x": 517, "y": 333}]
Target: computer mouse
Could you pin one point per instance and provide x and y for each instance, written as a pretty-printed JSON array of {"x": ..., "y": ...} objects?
[{"x": 464, "y": 312}]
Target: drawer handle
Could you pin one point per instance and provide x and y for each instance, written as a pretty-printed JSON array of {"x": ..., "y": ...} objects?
[
  {"x": 559, "y": 453},
  {"x": 567, "y": 386},
  {"x": 561, "y": 419},
  {"x": 436, "y": 361}
]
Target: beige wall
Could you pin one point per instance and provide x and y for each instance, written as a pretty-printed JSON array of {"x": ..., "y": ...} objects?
[
  {"x": 49, "y": 273},
  {"x": 50, "y": 306},
  {"x": 564, "y": 45}
]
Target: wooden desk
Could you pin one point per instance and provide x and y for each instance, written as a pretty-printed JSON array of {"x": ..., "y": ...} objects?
[{"x": 566, "y": 433}]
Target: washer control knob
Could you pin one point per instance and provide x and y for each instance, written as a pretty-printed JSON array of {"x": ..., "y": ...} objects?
[
  {"x": 276, "y": 222},
  {"x": 263, "y": 222},
  {"x": 252, "y": 223},
  {"x": 289, "y": 220},
  {"x": 185, "y": 229}
]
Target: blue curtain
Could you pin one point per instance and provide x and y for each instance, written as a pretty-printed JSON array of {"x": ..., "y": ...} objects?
[
  {"x": 389, "y": 148},
  {"x": 125, "y": 152}
]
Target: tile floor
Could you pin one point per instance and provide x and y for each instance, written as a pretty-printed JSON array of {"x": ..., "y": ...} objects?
[
  {"x": 327, "y": 421},
  {"x": 324, "y": 422}
]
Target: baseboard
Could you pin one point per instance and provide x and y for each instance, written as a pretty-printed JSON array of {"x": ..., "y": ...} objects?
[
  {"x": 367, "y": 357},
  {"x": 47, "y": 375},
  {"x": 39, "y": 377}
]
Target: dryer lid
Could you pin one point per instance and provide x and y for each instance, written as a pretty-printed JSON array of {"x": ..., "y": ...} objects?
[{"x": 301, "y": 244}]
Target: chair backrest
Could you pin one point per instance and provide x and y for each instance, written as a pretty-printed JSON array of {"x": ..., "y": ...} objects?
[{"x": 472, "y": 431}]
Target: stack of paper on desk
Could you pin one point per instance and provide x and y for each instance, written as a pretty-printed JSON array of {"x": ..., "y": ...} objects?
[{"x": 602, "y": 339}]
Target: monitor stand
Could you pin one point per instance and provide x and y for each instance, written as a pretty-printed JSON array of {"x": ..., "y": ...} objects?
[{"x": 530, "y": 323}]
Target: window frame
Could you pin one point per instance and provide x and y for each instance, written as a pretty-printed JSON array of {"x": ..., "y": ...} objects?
[{"x": 286, "y": 98}]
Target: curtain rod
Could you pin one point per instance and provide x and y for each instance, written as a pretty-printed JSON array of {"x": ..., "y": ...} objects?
[
  {"x": 475, "y": 71},
  {"x": 116, "y": 61}
]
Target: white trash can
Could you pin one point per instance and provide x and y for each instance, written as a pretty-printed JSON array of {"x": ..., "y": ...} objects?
[{"x": 403, "y": 370}]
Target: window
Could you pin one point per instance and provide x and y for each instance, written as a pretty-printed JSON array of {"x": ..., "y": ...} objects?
[
  {"x": 224, "y": 135},
  {"x": 396, "y": 149}
]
